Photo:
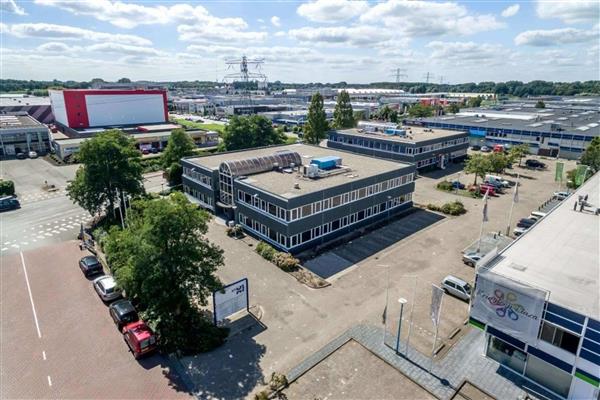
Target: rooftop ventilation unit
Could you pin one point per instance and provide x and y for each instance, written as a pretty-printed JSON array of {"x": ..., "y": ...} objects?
[{"x": 327, "y": 163}]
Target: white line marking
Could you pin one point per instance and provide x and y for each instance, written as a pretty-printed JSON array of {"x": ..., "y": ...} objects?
[
  {"x": 37, "y": 325},
  {"x": 49, "y": 381},
  {"x": 4, "y": 249},
  {"x": 24, "y": 243},
  {"x": 44, "y": 355},
  {"x": 16, "y": 246},
  {"x": 5, "y": 243}
]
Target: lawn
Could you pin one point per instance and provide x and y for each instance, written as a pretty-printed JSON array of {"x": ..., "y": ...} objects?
[{"x": 197, "y": 125}]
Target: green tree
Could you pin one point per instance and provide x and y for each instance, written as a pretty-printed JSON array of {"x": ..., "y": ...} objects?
[
  {"x": 248, "y": 132},
  {"x": 167, "y": 266},
  {"x": 394, "y": 116},
  {"x": 453, "y": 108},
  {"x": 384, "y": 113},
  {"x": 518, "y": 152},
  {"x": 124, "y": 80},
  {"x": 419, "y": 111},
  {"x": 474, "y": 102},
  {"x": 316, "y": 125},
  {"x": 343, "y": 116},
  {"x": 540, "y": 104},
  {"x": 479, "y": 165},
  {"x": 498, "y": 162},
  {"x": 591, "y": 155},
  {"x": 111, "y": 166},
  {"x": 180, "y": 145}
]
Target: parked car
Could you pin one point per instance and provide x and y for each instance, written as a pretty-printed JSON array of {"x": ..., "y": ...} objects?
[
  {"x": 498, "y": 148},
  {"x": 471, "y": 258},
  {"x": 140, "y": 338},
  {"x": 491, "y": 190},
  {"x": 145, "y": 151},
  {"x": 537, "y": 215},
  {"x": 485, "y": 149},
  {"x": 9, "y": 203},
  {"x": 535, "y": 164},
  {"x": 90, "y": 266},
  {"x": 33, "y": 154},
  {"x": 498, "y": 180},
  {"x": 154, "y": 150},
  {"x": 518, "y": 231},
  {"x": 456, "y": 287},
  {"x": 106, "y": 287},
  {"x": 561, "y": 195},
  {"x": 123, "y": 313},
  {"x": 526, "y": 222},
  {"x": 496, "y": 185},
  {"x": 475, "y": 148},
  {"x": 21, "y": 156},
  {"x": 458, "y": 185}
]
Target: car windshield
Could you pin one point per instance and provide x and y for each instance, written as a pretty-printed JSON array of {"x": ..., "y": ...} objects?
[
  {"x": 468, "y": 288},
  {"x": 147, "y": 342}
]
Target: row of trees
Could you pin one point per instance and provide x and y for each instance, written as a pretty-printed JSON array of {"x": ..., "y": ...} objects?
[
  {"x": 161, "y": 257},
  {"x": 481, "y": 164}
]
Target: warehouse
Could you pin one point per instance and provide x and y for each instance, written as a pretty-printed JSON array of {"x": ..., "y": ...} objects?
[
  {"x": 548, "y": 132},
  {"x": 298, "y": 196},
  {"x": 426, "y": 148},
  {"x": 76, "y": 109},
  {"x": 538, "y": 300},
  {"x": 20, "y": 133}
]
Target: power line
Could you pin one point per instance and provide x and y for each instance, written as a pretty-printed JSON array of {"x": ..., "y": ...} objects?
[
  {"x": 244, "y": 75},
  {"x": 428, "y": 76},
  {"x": 399, "y": 73}
]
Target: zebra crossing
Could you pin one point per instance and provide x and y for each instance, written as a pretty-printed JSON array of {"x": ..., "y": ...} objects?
[{"x": 33, "y": 197}]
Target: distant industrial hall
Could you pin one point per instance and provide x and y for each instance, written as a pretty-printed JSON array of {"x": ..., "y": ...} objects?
[{"x": 298, "y": 196}]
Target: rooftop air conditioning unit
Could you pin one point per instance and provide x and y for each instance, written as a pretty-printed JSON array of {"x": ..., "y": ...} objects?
[{"x": 310, "y": 170}]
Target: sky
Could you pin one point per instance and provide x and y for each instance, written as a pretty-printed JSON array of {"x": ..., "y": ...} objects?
[{"x": 313, "y": 41}]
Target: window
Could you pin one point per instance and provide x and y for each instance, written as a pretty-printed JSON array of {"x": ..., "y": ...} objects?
[
  {"x": 294, "y": 214},
  {"x": 336, "y": 201},
  {"x": 272, "y": 209},
  {"x": 548, "y": 375},
  {"x": 317, "y": 207},
  {"x": 306, "y": 236},
  {"x": 335, "y": 225},
  {"x": 559, "y": 337},
  {"x": 506, "y": 354},
  {"x": 306, "y": 210}
]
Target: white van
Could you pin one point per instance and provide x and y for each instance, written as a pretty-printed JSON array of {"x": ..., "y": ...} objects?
[
  {"x": 537, "y": 215},
  {"x": 456, "y": 287},
  {"x": 496, "y": 180}
]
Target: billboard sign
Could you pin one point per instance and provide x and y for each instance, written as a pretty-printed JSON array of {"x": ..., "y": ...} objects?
[
  {"x": 229, "y": 300},
  {"x": 509, "y": 306}
]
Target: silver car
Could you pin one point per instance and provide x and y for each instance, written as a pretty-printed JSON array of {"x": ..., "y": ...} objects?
[
  {"x": 471, "y": 258},
  {"x": 106, "y": 287},
  {"x": 456, "y": 287}
]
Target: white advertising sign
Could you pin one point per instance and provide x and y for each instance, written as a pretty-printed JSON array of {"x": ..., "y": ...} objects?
[
  {"x": 509, "y": 306},
  {"x": 231, "y": 299},
  {"x": 436, "y": 303}
]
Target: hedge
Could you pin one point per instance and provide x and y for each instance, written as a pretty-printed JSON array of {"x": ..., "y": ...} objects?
[{"x": 7, "y": 188}]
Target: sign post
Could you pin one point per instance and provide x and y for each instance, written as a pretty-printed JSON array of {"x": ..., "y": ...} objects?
[{"x": 229, "y": 300}]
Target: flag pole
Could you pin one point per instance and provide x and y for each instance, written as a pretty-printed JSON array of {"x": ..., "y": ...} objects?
[
  {"x": 483, "y": 219},
  {"x": 512, "y": 206}
]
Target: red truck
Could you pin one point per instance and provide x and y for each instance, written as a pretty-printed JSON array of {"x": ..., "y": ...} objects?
[{"x": 140, "y": 338}]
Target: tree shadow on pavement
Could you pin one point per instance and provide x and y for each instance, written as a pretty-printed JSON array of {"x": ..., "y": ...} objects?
[{"x": 231, "y": 371}]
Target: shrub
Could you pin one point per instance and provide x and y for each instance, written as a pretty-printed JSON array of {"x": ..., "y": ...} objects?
[
  {"x": 433, "y": 207},
  {"x": 285, "y": 261},
  {"x": 7, "y": 188},
  {"x": 278, "y": 381},
  {"x": 445, "y": 185},
  {"x": 235, "y": 231},
  {"x": 262, "y": 395},
  {"x": 454, "y": 208},
  {"x": 266, "y": 251}
]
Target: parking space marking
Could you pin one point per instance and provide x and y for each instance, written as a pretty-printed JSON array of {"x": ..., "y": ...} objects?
[
  {"x": 4, "y": 249},
  {"x": 49, "y": 381},
  {"x": 44, "y": 355},
  {"x": 37, "y": 325}
]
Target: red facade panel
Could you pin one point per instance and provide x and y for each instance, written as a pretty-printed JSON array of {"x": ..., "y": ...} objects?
[{"x": 76, "y": 109}]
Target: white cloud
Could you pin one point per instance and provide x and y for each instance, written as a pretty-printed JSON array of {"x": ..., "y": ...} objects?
[
  {"x": 350, "y": 36},
  {"x": 65, "y": 32},
  {"x": 276, "y": 21},
  {"x": 208, "y": 34},
  {"x": 332, "y": 10},
  {"x": 118, "y": 48},
  {"x": 280, "y": 34},
  {"x": 423, "y": 18},
  {"x": 130, "y": 15},
  {"x": 570, "y": 12},
  {"x": 511, "y": 11},
  {"x": 554, "y": 37},
  {"x": 10, "y": 6},
  {"x": 461, "y": 53},
  {"x": 260, "y": 20},
  {"x": 57, "y": 48}
]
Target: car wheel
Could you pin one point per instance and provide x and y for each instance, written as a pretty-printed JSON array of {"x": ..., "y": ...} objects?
[{"x": 446, "y": 291}]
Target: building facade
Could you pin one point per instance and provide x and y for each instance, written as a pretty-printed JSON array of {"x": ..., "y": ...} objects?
[
  {"x": 422, "y": 147},
  {"x": 538, "y": 300},
  {"x": 295, "y": 197},
  {"x": 20, "y": 133}
]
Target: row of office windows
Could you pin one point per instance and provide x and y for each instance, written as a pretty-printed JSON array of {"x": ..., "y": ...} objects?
[
  {"x": 322, "y": 230},
  {"x": 324, "y": 204},
  {"x": 397, "y": 148},
  {"x": 200, "y": 178},
  {"x": 206, "y": 200}
]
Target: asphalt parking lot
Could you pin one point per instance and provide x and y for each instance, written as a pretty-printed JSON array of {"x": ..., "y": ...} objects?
[
  {"x": 58, "y": 340},
  {"x": 300, "y": 320}
]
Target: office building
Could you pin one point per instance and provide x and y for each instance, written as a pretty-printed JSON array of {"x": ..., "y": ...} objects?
[
  {"x": 20, "y": 133},
  {"x": 298, "y": 196},
  {"x": 538, "y": 300},
  {"x": 562, "y": 132},
  {"x": 423, "y": 147}
]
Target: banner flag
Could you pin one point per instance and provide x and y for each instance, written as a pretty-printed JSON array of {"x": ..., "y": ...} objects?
[
  {"x": 558, "y": 175},
  {"x": 485, "y": 206},
  {"x": 436, "y": 303}
]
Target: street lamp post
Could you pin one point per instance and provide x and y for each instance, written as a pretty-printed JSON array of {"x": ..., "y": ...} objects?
[{"x": 402, "y": 302}]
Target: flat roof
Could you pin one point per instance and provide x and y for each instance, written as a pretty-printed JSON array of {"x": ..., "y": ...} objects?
[
  {"x": 158, "y": 127},
  {"x": 414, "y": 134},
  {"x": 282, "y": 184},
  {"x": 561, "y": 254},
  {"x": 584, "y": 122},
  {"x": 20, "y": 101},
  {"x": 12, "y": 121}
]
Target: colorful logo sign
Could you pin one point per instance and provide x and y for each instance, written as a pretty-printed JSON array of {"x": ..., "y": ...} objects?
[{"x": 505, "y": 305}]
